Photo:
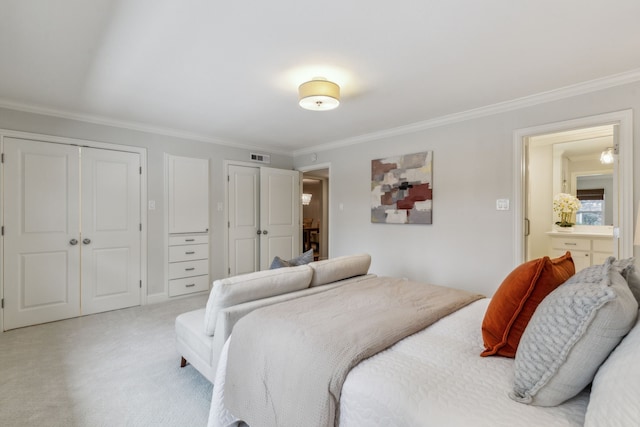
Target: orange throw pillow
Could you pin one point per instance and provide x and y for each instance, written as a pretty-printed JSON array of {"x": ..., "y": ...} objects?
[{"x": 516, "y": 299}]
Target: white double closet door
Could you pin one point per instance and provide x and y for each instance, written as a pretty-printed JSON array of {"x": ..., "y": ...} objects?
[
  {"x": 72, "y": 231},
  {"x": 264, "y": 217}
]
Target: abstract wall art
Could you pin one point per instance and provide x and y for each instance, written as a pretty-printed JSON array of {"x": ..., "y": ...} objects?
[{"x": 402, "y": 189}]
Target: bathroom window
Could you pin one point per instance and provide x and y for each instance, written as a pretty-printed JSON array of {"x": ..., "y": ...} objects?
[{"x": 592, "y": 210}]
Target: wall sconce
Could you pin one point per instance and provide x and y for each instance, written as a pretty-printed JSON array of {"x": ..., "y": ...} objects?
[
  {"x": 319, "y": 94},
  {"x": 606, "y": 158},
  {"x": 306, "y": 198}
]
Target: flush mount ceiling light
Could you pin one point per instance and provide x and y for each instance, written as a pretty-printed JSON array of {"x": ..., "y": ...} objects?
[
  {"x": 606, "y": 158},
  {"x": 319, "y": 94}
]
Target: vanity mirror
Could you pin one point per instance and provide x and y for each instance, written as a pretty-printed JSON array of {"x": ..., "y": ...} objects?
[{"x": 578, "y": 170}]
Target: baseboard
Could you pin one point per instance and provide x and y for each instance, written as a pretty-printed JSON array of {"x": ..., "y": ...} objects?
[{"x": 157, "y": 298}]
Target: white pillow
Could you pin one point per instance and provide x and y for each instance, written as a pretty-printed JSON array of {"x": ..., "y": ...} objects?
[
  {"x": 615, "y": 392},
  {"x": 334, "y": 269},
  {"x": 253, "y": 286},
  {"x": 571, "y": 333}
]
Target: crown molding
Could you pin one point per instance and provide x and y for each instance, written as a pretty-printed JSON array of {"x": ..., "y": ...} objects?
[
  {"x": 136, "y": 126},
  {"x": 501, "y": 107}
]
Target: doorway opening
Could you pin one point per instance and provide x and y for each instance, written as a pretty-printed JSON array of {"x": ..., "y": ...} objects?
[
  {"x": 565, "y": 158},
  {"x": 315, "y": 212}
]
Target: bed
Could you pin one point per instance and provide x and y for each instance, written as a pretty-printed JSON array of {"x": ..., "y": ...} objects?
[{"x": 436, "y": 377}]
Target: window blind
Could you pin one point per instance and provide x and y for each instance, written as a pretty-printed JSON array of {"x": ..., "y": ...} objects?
[{"x": 591, "y": 194}]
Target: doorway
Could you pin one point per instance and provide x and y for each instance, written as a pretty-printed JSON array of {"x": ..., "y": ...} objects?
[
  {"x": 568, "y": 162},
  {"x": 315, "y": 212},
  {"x": 549, "y": 159}
]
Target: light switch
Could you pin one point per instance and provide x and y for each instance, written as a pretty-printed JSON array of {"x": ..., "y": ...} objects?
[
  {"x": 152, "y": 205},
  {"x": 502, "y": 204}
]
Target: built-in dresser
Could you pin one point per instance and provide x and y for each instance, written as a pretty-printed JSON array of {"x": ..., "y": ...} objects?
[
  {"x": 587, "y": 247},
  {"x": 188, "y": 197}
]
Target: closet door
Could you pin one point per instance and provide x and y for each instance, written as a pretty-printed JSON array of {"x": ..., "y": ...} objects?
[
  {"x": 280, "y": 206},
  {"x": 110, "y": 234},
  {"x": 188, "y": 195},
  {"x": 244, "y": 216},
  {"x": 264, "y": 217},
  {"x": 41, "y": 251}
]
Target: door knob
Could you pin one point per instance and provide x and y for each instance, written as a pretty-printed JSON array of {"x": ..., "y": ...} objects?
[
  {"x": 259, "y": 232},
  {"x": 73, "y": 242},
  {"x": 86, "y": 241},
  {"x": 265, "y": 232}
]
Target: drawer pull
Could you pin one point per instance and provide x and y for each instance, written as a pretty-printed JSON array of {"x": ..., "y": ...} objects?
[
  {"x": 189, "y": 240},
  {"x": 190, "y": 285},
  {"x": 189, "y": 253},
  {"x": 570, "y": 244},
  {"x": 189, "y": 269}
]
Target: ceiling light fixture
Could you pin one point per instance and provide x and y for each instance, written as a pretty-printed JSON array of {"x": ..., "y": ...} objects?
[
  {"x": 319, "y": 94},
  {"x": 606, "y": 158}
]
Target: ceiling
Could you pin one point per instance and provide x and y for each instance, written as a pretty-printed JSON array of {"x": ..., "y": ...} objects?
[{"x": 228, "y": 72}]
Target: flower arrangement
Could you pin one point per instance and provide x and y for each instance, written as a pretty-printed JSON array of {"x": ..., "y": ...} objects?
[{"x": 565, "y": 205}]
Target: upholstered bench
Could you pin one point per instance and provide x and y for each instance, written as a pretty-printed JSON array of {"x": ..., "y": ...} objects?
[{"x": 201, "y": 334}]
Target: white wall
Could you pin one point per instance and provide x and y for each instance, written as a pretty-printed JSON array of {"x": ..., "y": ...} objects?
[
  {"x": 156, "y": 146},
  {"x": 470, "y": 244}
]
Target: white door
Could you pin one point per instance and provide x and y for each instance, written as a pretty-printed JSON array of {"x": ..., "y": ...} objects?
[
  {"x": 244, "y": 211},
  {"x": 110, "y": 234},
  {"x": 264, "y": 217},
  {"x": 41, "y": 243},
  {"x": 72, "y": 231},
  {"x": 279, "y": 215}
]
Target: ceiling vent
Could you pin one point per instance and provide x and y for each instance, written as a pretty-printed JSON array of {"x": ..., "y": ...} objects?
[{"x": 260, "y": 158}]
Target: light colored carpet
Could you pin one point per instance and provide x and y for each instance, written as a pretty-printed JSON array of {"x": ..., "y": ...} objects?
[{"x": 118, "y": 368}]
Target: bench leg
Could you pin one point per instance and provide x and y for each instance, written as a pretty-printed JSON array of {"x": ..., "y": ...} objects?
[{"x": 183, "y": 362}]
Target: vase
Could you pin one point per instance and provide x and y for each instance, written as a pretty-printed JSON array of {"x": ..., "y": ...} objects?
[{"x": 564, "y": 229}]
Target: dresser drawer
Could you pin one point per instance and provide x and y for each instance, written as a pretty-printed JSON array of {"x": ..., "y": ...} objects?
[
  {"x": 188, "y": 268},
  {"x": 188, "y": 239},
  {"x": 188, "y": 252},
  {"x": 603, "y": 245},
  {"x": 188, "y": 285},
  {"x": 568, "y": 243}
]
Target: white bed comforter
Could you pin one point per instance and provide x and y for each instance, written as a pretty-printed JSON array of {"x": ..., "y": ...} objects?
[{"x": 433, "y": 378}]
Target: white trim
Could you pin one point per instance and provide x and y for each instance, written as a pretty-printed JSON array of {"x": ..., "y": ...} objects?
[
  {"x": 131, "y": 125},
  {"x": 73, "y": 141},
  {"x": 315, "y": 167},
  {"x": 622, "y": 118},
  {"x": 501, "y": 107}
]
